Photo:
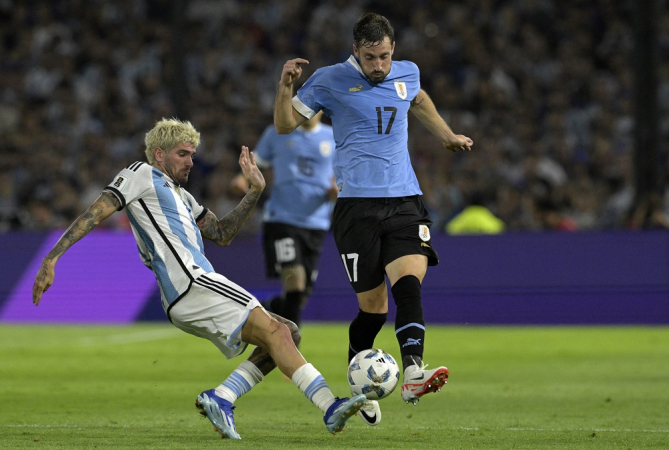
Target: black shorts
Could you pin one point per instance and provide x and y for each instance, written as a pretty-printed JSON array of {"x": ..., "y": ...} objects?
[
  {"x": 288, "y": 245},
  {"x": 370, "y": 233}
]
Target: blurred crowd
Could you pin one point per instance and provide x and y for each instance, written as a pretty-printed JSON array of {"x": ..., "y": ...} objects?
[{"x": 544, "y": 88}]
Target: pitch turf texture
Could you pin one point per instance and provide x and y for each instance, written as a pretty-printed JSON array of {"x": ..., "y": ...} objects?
[{"x": 530, "y": 388}]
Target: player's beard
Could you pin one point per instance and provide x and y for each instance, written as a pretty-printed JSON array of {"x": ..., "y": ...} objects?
[
  {"x": 377, "y": 77},
  {"x": 180, "y": 177},
  {"x": 183, "y": 177}
]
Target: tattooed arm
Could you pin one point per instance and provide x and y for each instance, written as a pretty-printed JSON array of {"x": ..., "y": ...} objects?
[
  {"x": 224, "y": 230},
  {"x": 105, "y": 205}
]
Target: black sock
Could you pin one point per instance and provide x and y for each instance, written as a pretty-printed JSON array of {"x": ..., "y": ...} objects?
[
  {"x": 274, "y": 304},
  {"x": 292, "y": 306},
  {"x": 363, "y": 330},
  {"x": 411, "y": 360},
  {"x": 409, "y": 321}
]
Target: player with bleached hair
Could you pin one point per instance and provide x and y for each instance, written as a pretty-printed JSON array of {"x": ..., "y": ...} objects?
[
  {"x": 381, "y": 226},
  {"x": 169, "y": 225}
]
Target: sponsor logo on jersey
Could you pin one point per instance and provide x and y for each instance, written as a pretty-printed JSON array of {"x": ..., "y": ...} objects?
[
  {"x": 424, "y": 232},
  {"x": 120, "y": 181},
  {"x": 423, "y": 244},
  {"x": 341, "y": 186},
  {"x": 401, "y": 88},
  {"x": 358, "y": 87}
]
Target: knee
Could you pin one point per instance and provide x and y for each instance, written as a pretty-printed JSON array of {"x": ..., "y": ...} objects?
[
  {"x": 375, "y": 300},
  {"x": 376, "y": 304},
  {"x": 283, "y": 332}
]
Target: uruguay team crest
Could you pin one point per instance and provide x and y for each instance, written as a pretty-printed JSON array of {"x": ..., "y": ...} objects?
[
  {"x": 424, "y": 232},
  {"x": 401, "y": 88},
  {"x": 325, "y": 148}
]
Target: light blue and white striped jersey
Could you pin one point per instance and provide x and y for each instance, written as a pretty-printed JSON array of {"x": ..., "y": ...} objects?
[
  {"x": 370, "y": 122},
  {"x": 163, "y": 218},
  {"x": 302, "y": 166}
]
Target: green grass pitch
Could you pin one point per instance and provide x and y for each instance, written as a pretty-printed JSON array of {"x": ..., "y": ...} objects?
[{"x": 86, "y": 387}]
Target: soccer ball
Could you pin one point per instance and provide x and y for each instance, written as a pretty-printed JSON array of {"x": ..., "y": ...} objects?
[{"x": 374, "y": 373}]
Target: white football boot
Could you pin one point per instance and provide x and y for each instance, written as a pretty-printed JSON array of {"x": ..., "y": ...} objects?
[
  {"x": 418, "y": 381},
  {"x": 370, "y": 413}
]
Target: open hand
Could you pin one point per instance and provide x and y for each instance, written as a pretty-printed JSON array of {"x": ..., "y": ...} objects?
[{"x": 252, "y": 174}]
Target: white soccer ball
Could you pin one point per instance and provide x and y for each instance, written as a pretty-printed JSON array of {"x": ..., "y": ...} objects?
[{"x": 374, "y": 373}]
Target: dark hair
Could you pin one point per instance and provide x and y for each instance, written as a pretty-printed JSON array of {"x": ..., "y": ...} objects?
[{"x": 371, "y": 29}]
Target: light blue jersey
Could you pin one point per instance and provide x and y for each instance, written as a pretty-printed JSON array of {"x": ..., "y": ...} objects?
[
  {"x": 370, "y": 122},
  {"x": 302, "y": 165},
  {"x": 163, "y": 218}
]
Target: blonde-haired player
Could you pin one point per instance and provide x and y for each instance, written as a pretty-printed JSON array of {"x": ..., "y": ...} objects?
[{"x": 168, "y": 225}]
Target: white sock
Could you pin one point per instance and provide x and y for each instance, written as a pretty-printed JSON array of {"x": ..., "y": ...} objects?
[
  {"x": 240, "y": 381},
  {"x": 313, "y": 385}
]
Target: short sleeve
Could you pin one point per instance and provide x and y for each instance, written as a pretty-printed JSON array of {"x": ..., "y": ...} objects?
[
  {"x": 306, "y": 101},
  {"x": 131, "y": 183}
]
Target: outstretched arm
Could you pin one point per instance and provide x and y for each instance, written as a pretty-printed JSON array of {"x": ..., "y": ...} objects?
[
  {"x": 427, "y": 113},
  {"x": 286, "y": 118},
  {"x": 224, "y": 230},
  {"x": 105, "y": 205}
]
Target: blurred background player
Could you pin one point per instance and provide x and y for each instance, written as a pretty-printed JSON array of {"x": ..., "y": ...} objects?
[
  {"x": 381, "y": 226},
  {"x": 297, "y": 215}
]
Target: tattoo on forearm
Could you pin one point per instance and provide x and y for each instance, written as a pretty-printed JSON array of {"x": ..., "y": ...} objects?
[
  {"x": 84, "y": 224},
  {"x": 41, "y": 275},
  {"x": 224, "y": 230}
]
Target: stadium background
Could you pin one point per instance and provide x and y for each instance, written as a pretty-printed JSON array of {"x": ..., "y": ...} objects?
[{"x": 549, "y": 91}]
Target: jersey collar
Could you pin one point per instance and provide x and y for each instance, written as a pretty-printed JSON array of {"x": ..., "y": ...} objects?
[
  {"x": 352, "y": 60},
  {"x": 166, "y": 177}
]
